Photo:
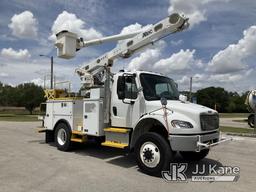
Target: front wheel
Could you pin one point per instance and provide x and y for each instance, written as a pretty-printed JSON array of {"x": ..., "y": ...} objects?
[
  {"x": 251, "y": 120},
  {"x": 194, "y": 156},
  {"x": 63, "y": 137},
  {"x": 153, "y": 153}
]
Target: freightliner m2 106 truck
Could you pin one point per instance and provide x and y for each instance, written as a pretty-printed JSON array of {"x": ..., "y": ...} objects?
[{"x": 139, "y": 111}]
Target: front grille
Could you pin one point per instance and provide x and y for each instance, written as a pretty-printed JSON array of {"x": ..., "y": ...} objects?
[{"x": 209, "y": 121}]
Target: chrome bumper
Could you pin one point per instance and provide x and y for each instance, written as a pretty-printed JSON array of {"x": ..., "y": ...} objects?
[
  {"x": 201, "y": 145},
  {"x": 195, "y": 142}
]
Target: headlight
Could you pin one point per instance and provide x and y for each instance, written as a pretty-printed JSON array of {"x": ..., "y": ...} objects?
[{"x": 181, "y": 124}]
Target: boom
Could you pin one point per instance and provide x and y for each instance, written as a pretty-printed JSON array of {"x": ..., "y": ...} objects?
[{"x": 91, "y": 74}]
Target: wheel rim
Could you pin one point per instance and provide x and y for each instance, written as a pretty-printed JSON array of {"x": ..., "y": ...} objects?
[
  {"x": 150, "y": 154},
  {"x": 62, "y": 136},
  {"x": 251, "y": 121}
]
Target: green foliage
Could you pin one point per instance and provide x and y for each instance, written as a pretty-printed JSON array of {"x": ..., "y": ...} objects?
[
  {"x": 224, "y": 101},
  {"x": 236, "y": 130},
  {"x": 26, "y": 95}
]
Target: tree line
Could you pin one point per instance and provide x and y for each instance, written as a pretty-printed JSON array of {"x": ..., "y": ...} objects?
[
  {"x": 26, "y": 95},
  {"x": 221, "y": 100},
  {"x": 30, "y": 96}
]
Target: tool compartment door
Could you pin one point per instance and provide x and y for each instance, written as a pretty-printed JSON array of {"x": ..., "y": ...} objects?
[
  {"x": 93, "y": 117},
  {"x": 48, "y": 119}
]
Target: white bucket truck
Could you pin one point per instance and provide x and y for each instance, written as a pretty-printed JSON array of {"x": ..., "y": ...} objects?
[{"x": 140, "y": 111}]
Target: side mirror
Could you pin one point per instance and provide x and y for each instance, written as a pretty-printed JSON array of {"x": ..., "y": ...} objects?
[
  {"x": 163, "y": 101},
  {"x": 183, "y": 98}
]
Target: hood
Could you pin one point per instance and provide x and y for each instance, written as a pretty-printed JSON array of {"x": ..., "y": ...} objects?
[
  {"x": 180, "y": 107},
  {"x": 184, "y": 111},
  {"x": 187, "y": 109}
]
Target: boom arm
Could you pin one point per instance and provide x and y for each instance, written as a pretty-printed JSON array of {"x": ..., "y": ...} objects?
[
  {"x": 109, "y": 39},
  {"x": 67, "y": 43}
]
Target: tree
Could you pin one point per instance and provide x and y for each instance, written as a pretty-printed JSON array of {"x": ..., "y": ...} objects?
[
  {"x": 7, "y": 95},
  {"x": 30, "y": 96},
  {"x": 213, "y": 97}
]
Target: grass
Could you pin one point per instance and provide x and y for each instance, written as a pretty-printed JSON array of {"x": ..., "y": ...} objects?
[
  {"x": 18, "y": 117},
  {"x": 19, "y": 114},
  {"x": 236, "y": 130},
  {"x": 231, "y": 115}
]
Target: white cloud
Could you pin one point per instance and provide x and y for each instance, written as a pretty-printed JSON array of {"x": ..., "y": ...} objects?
[
  {"x": 197, "y": 79},
  {"x": 176, "y": 43},
  {"x": 195, "y": 10},
  {"x": 249, "y": 72},
  {"x": 12, "y": 54},
  {"x": 231, "y": 59},
  {"x": 145, "y": 60},
  {"x": 24, "y": 25},
  {"x": 183, "y": 80},
  {"x": 180, "y": 61},
  {"x": 177, "y": 62},
  {"x": 229, "y": 81},
  {"x": 69, "y": 21},
  {"x": 225, "y": 78},
  {"x": 28, "y": 71},
  {"x": 2, "y": 74},
  {"x": 132, "y": 28},
  {"x": 37, "y": 81}
]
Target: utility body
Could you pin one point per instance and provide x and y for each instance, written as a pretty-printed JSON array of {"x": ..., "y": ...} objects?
[{"x": 140, "y": 111}]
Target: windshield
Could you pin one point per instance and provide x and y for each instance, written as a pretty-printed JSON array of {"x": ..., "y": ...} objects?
[{"x": 155, "y": 87}]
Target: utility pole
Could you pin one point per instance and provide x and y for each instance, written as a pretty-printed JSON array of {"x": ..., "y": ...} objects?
[
  {"x": 44, "y": 81},
  {"x": 51, "y": 72},
  {"x": 51, "y": 68},
  {"x": 254, "y": 131},
  {"x": 190, "y": 89}
]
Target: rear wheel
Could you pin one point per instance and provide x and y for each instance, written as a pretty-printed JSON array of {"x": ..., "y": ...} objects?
[
  {"x": 251, "y": 120},
  {"x": 153, "y": 153},
  {"x": 63, "y": 137},
  {"x": 194, "y": 156}
]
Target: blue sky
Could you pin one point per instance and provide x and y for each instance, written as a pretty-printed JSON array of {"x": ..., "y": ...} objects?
[{"x": 217, "y": 50}]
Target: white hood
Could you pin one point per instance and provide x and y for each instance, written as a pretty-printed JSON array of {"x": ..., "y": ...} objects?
[
  {"x": 179, "y": 107},
  {"x": 184, "y": 111}
]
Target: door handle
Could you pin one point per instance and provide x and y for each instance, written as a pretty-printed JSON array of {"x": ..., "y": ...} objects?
[{"x": 115, "y": 111}]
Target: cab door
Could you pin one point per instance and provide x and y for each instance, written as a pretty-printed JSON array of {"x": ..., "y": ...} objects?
[{"x": 125, "y": 105}]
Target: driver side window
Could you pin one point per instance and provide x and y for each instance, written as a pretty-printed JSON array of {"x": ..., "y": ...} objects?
[{"x": 129, "y": 90}]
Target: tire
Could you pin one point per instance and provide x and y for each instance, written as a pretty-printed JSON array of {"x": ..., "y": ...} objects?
[
  {"x": 63, "y": 137},
  {"x": 153, "y": 154},
  {"x": 251, "y": 120},
  {"x": 194, "y": 156},
  {"x": 49, "y": 136}
]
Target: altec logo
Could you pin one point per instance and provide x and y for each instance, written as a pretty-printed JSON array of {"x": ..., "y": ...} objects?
[
  {"x": 145, "y": 34},
  {"x": 201, "y": 173}
]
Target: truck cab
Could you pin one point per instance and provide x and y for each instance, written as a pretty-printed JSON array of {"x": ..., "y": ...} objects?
[{"x": 135, "y": 104}]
